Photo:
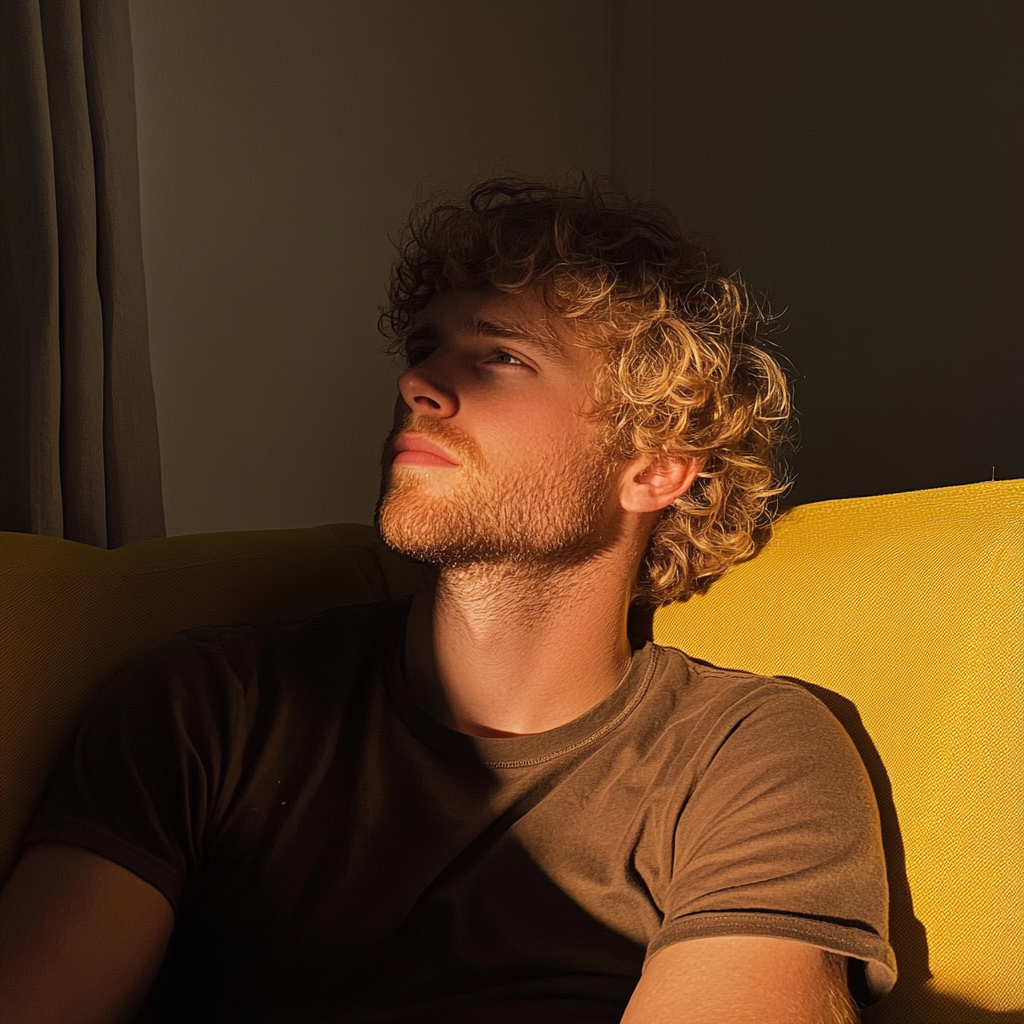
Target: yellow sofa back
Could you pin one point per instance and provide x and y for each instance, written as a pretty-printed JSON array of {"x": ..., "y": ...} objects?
[
  {"x": 909, "y": 610},
  {"x": 904, "y": 613}
]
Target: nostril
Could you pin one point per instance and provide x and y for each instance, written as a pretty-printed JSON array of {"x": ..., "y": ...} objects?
[{"x": 426, "y": 400}]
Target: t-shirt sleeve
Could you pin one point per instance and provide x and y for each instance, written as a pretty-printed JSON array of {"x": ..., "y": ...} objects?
[
  {"x": 780, "y": 836},
  {"x": 147, "y": 772}
]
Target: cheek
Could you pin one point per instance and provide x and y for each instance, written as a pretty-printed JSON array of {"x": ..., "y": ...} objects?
[{"x": 528, "y": 433}]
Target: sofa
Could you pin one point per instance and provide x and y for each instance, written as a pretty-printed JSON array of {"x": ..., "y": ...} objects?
[{"x": 904, "y": 613}]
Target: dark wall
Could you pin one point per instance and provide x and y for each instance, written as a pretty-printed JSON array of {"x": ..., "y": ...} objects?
[
  {"x": 280, "y": 144},
  {"x": 862, "y": 164},
  {"x": 859, "y": 162}
]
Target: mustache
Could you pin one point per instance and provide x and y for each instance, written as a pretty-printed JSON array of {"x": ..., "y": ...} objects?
[{"x": 443, "y": 434}]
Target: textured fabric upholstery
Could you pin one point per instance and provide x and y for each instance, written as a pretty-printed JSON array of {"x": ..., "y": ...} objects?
[
  {"x": 903, "y": 612},
  {"x": 909, "y": 610}
]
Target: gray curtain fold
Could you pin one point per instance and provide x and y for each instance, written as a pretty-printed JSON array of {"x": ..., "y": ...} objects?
[{"x": 79, "y": 453}]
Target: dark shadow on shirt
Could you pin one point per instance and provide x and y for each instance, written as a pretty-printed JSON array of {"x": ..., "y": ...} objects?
[{"x": 518, "y": 949}]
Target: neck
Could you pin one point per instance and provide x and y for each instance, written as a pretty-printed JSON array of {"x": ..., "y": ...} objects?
[{"x": 499, "y": 650}]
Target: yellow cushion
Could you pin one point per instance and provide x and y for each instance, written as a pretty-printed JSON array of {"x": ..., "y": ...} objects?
[{"x": 910, "y": 606}]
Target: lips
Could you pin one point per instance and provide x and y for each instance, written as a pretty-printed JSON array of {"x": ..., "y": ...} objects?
[{"x": 414, "y": 450}]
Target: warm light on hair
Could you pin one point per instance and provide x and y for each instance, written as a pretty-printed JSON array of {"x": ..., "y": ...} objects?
[{"x": 686, "y": 371}]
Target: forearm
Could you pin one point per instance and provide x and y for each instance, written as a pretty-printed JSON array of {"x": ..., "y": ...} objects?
[{"x": 742, "y": 979}]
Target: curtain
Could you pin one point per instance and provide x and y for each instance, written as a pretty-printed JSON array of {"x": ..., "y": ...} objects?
[{"x": 79, "y": 454}]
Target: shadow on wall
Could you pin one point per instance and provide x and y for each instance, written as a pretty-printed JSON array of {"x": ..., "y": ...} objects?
[{"x": 909, "y": 1002}]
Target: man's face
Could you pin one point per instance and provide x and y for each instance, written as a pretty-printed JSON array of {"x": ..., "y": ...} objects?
[{"x": 492, "y": 458}]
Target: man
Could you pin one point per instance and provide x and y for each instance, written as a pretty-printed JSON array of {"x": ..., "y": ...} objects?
[{"x": 493, "y": 803}]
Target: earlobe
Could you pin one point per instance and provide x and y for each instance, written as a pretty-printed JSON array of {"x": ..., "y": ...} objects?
[{"x": 652, "y": 483}]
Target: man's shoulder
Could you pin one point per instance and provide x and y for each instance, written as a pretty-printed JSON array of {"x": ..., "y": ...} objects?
[
  {"x": 696, "y": 678},
  {"x": 355, "y": 624},
  {"x": 237, "y": 660},
  {"x": 736, "y": 703},
  {"x": 351, "y": 621}
]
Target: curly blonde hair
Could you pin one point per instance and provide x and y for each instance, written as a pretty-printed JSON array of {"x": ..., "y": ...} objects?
[{"x": 687, "y": 371}]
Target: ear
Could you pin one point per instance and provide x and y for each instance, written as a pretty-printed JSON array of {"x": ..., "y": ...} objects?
[{"x": 652, "y": 482}]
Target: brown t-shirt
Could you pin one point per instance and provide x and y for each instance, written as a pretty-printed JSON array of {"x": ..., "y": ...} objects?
[{"x": 335, "y": 855}]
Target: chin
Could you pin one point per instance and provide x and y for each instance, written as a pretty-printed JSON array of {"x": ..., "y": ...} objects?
[
  {"x": 509, "y": 527},
  {"x": 428, "y": 527}
]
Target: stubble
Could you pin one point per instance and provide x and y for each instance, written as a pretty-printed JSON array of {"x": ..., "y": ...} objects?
[{"x": 549, "y": 515}]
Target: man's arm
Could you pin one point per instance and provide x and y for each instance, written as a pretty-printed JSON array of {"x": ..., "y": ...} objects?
[
  {"x": 742, "y": 979},
  {"x": 81, "y": 938}
]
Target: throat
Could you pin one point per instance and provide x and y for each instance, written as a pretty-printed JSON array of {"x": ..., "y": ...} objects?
[{"x": 507, "y": 653}]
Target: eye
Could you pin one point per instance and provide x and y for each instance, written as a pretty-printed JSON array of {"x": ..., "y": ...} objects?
[{"x": 503, "y": 358}]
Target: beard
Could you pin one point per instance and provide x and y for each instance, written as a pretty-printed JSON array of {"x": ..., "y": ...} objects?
[{"x": 551, "y": 515}]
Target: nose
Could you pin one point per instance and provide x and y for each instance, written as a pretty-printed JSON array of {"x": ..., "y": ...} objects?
[{"x": 423, "y": 393}]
